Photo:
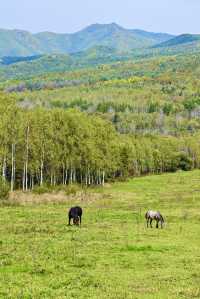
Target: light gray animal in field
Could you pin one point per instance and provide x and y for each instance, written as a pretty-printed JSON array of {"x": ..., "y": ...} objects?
[{"x": 154, "y": 215}]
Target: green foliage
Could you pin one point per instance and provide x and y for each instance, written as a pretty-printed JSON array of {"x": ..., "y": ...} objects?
[
  {"x": 101, "y": 124},
  {"x": 43, "y": 189},
  {"x": 115, "y": 48},
  {"x": 151, "y": 96},
  {"x": 190, "y": 104},
  {"x": 185, "y": 162},
  {"x": 4, "y": 189},
  {"x": 72, "y": 189},
  {"x": 55, "y": 147},
  {"x": 153, "y": 107},
  {"x": 168, "y": 108}
]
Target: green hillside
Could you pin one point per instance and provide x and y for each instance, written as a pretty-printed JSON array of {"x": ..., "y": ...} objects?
[
  {"x": 182, "y": 39},
  {"x": 157, "y": 95},
  {"x": 21, "y": 67},
  {"x": 100, "y": 123},
  {"x": 29, "y": 66},
  {"x": 18, "y": 43},
  {"x": 23, "y": 43},
  {"x": 33, "y": 67}
]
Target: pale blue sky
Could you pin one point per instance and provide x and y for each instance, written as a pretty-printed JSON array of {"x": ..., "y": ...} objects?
[{"x": 173, "y": 16}]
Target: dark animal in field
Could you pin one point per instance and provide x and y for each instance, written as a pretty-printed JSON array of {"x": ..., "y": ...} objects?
[
  {"x": 75, "y": 213},
  {"x": 154, "y": 215}
]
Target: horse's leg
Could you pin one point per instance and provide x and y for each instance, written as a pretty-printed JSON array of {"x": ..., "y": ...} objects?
[
  {"x": 80, "y": 219},
  {"x": 69, "y": 221},
  {"x": 157, "y": 221},
  {"x": 147, "y": 222},
  {"x": 151, "y": 222}
]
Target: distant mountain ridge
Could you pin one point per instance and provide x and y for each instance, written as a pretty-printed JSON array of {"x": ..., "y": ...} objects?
[
  {"x": 182, "y": 39},
  {"x": 15, "y": 67},
  {"x": 24, "y": 43}
]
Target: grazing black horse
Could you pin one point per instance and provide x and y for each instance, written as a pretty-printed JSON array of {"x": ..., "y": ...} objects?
[
  {"x": 75, "y": 213},
  {"x": 154, "y": 215}
]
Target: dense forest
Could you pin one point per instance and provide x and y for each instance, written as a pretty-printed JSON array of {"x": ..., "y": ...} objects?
[
  {"x": 97, "y": 124},
  {"x": 57, "y": 146},
  {"x": 152, "y": 96}
]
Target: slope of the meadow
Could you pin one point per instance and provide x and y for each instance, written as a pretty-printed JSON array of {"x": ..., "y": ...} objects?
[{"x": 113, "y": 254}]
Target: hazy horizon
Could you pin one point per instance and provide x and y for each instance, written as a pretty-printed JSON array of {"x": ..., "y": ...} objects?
[
  {"x": 174, "y": 17},
  {"x": 36, "y": 32},
  {"x": 84, "y": 27}
]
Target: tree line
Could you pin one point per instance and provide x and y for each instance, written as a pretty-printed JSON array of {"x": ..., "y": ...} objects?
[{"x": 59, "y": 147}]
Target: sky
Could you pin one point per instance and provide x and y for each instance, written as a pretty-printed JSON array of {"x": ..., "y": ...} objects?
[{"x": 67, "y": 16}]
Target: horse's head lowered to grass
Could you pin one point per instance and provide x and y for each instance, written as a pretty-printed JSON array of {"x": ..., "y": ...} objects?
[{"x": 154, "y": 215}]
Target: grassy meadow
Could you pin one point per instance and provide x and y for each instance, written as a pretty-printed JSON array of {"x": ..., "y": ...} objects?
[{"x": 113, "y": 255}]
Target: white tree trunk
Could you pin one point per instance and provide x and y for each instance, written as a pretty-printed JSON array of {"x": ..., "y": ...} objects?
[
  {"x": 66, "y": 176},
  {"x": 89, "y": 178},
  {"x": 4, "y": 169},
  {"x": 86, "y": 179},
  {"x": 26, "y": 163},
  {"x": 103, "y": 178},
  {"x": 12, "y": 169},
  {"x": 41, "y": 172},
  {"x": 23, "y": 179},
  {"x": 74, "y": 176},
  {"x": 71, "y": 175}
]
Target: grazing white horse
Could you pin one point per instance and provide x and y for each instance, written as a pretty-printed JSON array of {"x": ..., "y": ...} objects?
[{"x": 154, "y": 215}]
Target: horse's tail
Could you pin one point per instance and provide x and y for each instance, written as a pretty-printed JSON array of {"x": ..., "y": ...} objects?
[
  {"x": 162, "y": 218},
  {"x": 147, "y": 215}
]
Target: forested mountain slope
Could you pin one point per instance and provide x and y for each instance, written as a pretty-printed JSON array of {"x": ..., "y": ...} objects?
[
  {"x": 182, "y": 39},
  {"x": 23, "y": 43},
  {"x": 99, "y": 123},
  {"x": 22, "y": 67},
  {"x": 159, "y": 95}
]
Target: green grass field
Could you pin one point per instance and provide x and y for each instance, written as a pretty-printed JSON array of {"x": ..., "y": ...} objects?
[{"x": 113, "y": 254}]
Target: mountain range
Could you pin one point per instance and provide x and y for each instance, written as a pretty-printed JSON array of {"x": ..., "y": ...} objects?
[
  {"x": 23, "y": 54},
  {"x": 24, "y": 43}
]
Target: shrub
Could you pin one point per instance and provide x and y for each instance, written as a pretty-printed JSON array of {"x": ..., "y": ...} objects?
[
  {"x": 72, "y": 189},
  {"x": 185, "y": 162},
  {"x": 42, "y": 189},
  {"x": 167, "y": 108},
  {"x": 4, "y": 189},
  {"x": 45, "y": 188},
  {"x": 153, "y": 106},
  {"x": 181, "y": 162}
]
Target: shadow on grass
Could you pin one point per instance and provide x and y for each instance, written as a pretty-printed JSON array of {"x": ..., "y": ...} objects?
[{"x": 147, "y": 248}]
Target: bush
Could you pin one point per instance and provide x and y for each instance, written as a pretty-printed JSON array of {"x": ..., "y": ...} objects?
[
  {"x": 4, "y": 189},
  {"x": 42, "y": 189},
  {"x": 181, "y": 162},
  {"x": 71, "y": 189},
  {"x": 45, "y": 188},
  {"x": 185, "y": 162}
]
